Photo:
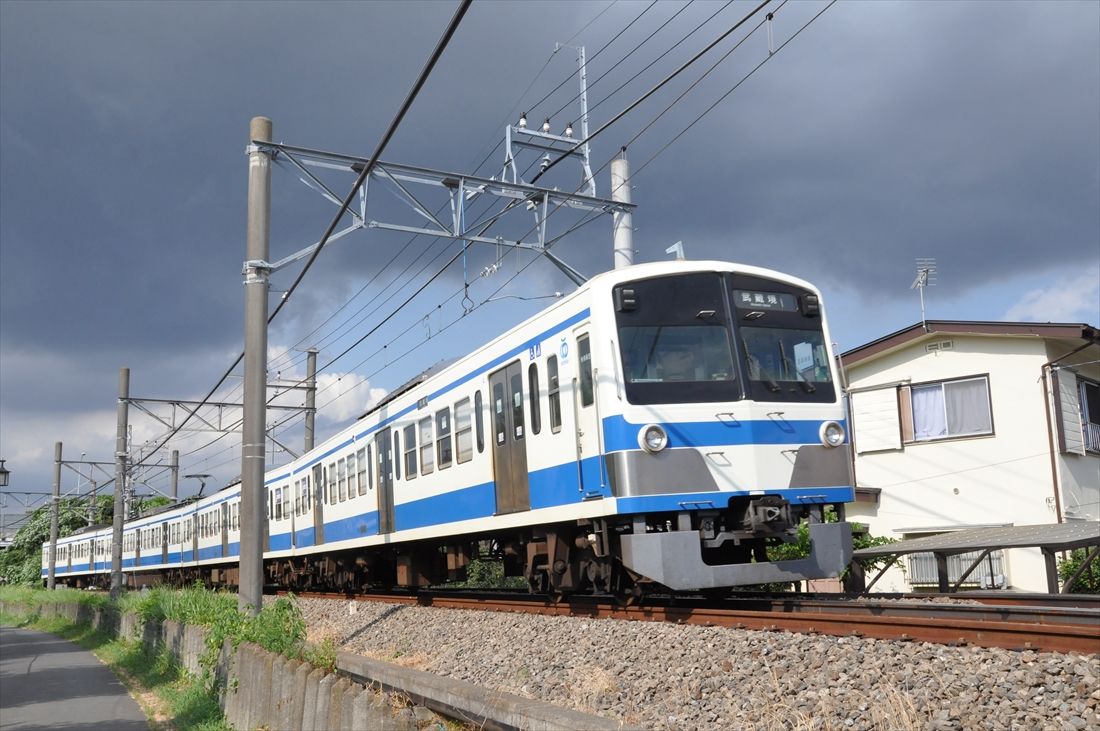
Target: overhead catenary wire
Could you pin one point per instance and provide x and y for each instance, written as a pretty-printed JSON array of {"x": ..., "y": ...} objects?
[
  {"x": 584, "y": 222},
  {"x": 422, "y": 78}
]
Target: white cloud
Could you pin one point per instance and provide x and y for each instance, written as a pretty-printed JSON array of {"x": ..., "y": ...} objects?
[{"x": 1074, "y": 298}]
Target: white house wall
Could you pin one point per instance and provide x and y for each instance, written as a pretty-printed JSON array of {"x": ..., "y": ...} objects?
[
  {"x": 964, "y": 482},
  {"x": 1079, "y": 473}
]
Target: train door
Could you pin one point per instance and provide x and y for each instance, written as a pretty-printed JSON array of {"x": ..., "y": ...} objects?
[
  {"x": 383, "y": 445},
  {"x": 509, "y": 439},
  {"x": 318, "y": 505},
  {"x": 224, "y": 509},
  {"x": 587, "y": 416}
]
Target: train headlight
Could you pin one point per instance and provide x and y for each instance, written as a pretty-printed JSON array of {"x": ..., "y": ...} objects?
[
  {"x": 652, "y": 438},
  {"x": 832, "y": 434}
]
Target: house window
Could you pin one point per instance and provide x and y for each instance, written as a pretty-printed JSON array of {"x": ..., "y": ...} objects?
[
  {"x": 946, "y": 409},
  {"x": 1089, "y": 393}
]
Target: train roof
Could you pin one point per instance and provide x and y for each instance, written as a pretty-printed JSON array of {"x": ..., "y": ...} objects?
[{"x": 411, "y": 384}]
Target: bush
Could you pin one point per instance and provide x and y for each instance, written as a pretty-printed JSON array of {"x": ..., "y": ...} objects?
[{"x": 1089, "y": 580}]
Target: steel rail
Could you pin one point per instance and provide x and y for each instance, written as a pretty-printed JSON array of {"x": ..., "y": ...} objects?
[{"x": 1011, "y": 627}]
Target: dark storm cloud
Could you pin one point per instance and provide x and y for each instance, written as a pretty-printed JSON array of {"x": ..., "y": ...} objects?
[{"x": 966, "y": 131}]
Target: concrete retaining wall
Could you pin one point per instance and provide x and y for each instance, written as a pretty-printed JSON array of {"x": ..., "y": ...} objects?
[{"x": 259, "y": 689}]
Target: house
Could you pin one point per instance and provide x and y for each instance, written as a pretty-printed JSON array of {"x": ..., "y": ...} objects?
[{"x": 959, "y": 424}]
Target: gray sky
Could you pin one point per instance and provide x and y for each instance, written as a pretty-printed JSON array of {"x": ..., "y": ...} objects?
[{"x": 965, "y": 131}]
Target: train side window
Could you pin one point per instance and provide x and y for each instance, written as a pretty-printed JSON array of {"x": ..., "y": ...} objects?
[
  {"x": 286, "y": 501},
  {"x": 410, "y": 452},
  {"x": 353, "y": 477},
  {"x": 342, "y": 479},
  {"x": 366, "y": 466},
  {"x": 318, "y": 482},
  {"x": 427, "y": 462},
  {"x": 517, "y": 405},
  {"x": 361, "y": 464},
  {"x": 464, "y": 447},
  {"x": 443, "y": 447},
  {"x": 479, "y": 421},
  {"x": 306, "y": 494},
  {"x": 270, "y": 507},
  {"x": 499, "y": 419},
  {"x": 584, "y": 354},
  {"x": 332, "y": 483},
  {"x": 278, "y": 503},
  {"x": 297, "y": 497},
  {"x": 396, "y": 451},
  {"x": 553, "y": 388},
  {"x": 536, "y": 404}
]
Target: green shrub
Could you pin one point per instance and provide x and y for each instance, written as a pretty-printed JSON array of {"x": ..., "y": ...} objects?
[{"x": 1089, "y": 580}]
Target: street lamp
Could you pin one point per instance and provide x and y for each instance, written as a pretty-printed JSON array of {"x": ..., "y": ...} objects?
[{"x": 4, "y": 474}]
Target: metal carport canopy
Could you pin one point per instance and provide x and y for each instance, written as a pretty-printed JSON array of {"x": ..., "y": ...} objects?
[{"x": 1049, "y": 538}]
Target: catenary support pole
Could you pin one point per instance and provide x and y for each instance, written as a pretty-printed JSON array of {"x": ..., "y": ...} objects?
[
  {"x": 256, "y": 272},
  {"x": 623, "y": 221},
  {"x": 55, "y": 509},
  {"x": 120, "y": 481},
  {"x": 311, "y": 395},
  {"x": 175, "y": 475}
]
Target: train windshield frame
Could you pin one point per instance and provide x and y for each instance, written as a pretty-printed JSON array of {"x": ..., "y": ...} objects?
[{"x": 704, "y": 337}]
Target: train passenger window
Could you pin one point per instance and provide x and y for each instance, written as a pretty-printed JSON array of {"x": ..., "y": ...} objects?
[
  {"x": 464, "y": 443},
  {"x": 270, "y": 507},
  {"x": 342, "y": 479},
  {"x": 318, "y": 483},
  {"x": 286, "y": 501},
  {"x": 306, "y": 495},
  {"x": 361, "y": 475},
  {"x": 517, "y": 405},
  {"x": 353, "y": 476},
  {"x": 479, "y": 421},
  {"x": 410, "y": 452},
  {"x": 365, "y": 466},
  {"x": 533, "y": 390},
  {"x": 553, "y": 388},
  {"x": 278, "y": 503},
  {"x": 297, "y": 497},
  {"x": 332, "y": 483},
  {"x": 396, "y": 450},
  {"x": 584, "y": 353},
  {"x": 443, "y": 438},
  {"x": 427, "y": 461},
  {"x": 499, "y": 419}
]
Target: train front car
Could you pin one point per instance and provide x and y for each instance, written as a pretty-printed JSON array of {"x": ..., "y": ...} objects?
[{"x": 723, "y": 426}]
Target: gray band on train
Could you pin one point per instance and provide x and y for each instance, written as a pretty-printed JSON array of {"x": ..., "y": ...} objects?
[{"x": 675, "y": 559}]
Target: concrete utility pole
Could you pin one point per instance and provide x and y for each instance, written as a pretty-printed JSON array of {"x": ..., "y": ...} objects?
[
  {"x": 311, "y": 395},
  {"x": 622, "y": 221},
  {"x": 55, "y": 509},
  {"x": 175, "y": 475},
  {"x": 120, "y": 481},
  {"x": 256, "y": 273}
]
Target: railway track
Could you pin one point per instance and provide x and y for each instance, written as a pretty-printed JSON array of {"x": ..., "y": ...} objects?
[{"x": 1027, "y": 622}]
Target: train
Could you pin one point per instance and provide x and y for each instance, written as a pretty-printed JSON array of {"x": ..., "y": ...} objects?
[{"x": 659, "y": 428}]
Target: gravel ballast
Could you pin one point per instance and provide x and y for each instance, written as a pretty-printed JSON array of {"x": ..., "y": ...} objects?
[{"x": 667, "y": 676}]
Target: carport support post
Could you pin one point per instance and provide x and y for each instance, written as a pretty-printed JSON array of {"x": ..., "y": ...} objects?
[
  {"x": 120, "y": 481},
  {"x": 253, "y": 434},
  {"x": 55, "y": 507}
]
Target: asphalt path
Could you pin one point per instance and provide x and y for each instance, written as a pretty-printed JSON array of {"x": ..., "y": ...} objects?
[{"x": 50, "y": 683}]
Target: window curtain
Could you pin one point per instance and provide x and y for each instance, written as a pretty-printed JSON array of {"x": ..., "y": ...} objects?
[
  {"x": 967, "y": 407},
  {"x": 928, "y": 417}
]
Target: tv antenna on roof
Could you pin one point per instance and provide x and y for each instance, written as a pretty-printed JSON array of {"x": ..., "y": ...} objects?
[{"x": 926, "y": 277}]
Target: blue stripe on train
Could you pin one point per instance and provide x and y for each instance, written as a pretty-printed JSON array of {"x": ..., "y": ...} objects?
[{"x": 620, "y": 434}]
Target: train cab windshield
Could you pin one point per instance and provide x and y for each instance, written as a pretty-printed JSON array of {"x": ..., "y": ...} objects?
[{"x": 706, "y": 337}]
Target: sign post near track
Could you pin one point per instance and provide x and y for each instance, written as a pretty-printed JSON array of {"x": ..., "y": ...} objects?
[
  {"x": 253, "y": 434},
  {"x": 120, "y": 481}
]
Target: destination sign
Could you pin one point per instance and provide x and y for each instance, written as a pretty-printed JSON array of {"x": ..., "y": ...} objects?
[{"x": 765, "y": 301}]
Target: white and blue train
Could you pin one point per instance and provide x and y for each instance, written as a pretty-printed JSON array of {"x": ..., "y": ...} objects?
[{"x": 662, "y": 425}]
